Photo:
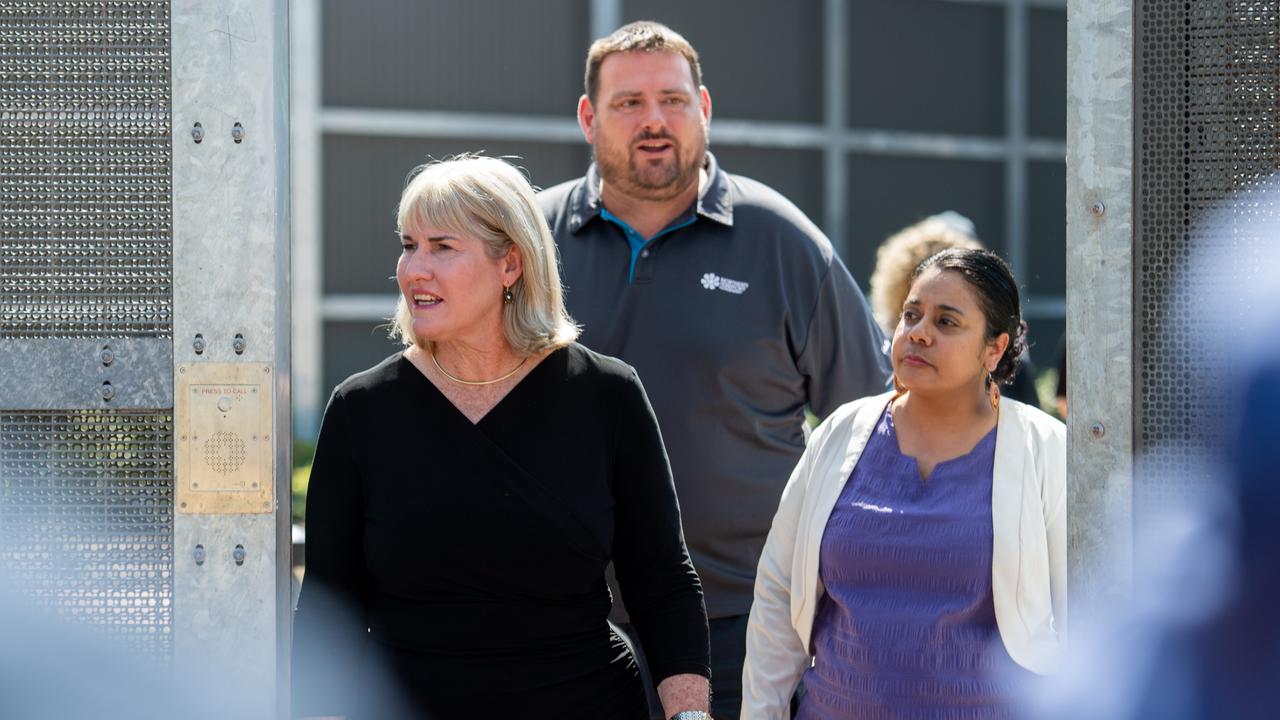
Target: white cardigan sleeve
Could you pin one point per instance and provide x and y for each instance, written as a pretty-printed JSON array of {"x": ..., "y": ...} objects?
[
  {"x": 1054, "y": 502},
  {"x": 776, "y": 655}
]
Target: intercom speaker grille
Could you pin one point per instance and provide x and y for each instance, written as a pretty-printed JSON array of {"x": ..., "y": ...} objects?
[
  {"x": 85, "y": 166},
  {"x": 1209, "y": 118},
  {"x": 86, "y": 518},
  {"x": 225, "y": 452}
]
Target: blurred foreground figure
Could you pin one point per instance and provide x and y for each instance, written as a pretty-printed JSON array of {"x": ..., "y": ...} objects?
[
  {"x": 1200, "y": 639},
  {"x": 54, "y": 669}
]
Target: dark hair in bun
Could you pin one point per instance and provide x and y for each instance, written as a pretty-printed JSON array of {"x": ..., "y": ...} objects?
[{"x": 997, "y": 294}]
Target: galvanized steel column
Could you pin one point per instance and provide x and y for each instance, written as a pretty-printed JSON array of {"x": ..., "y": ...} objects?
[
  {"x": 1100, "y": 246},
  {"x": 231, "y": 341}
]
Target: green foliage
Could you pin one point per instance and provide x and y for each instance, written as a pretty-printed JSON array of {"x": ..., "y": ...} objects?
[
  {"x": 303, "y": 453},
  {"x": 301, "y": 477},
  {"x": 1047, "y": 389}
]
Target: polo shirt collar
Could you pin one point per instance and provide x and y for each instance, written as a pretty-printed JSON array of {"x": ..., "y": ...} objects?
[{"x": 714, "y": 202}]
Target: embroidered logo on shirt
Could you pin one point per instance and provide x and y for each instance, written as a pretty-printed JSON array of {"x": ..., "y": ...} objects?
[
  {"x": 872, "y": 508},
  {"x": 712, "y": 281}
]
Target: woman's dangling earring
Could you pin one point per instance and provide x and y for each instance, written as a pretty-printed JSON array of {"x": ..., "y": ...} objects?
[
  {"x": 993, "y": 391},
  {"x": 507, "y": 297},
  {"x": 899, "y": 390}
]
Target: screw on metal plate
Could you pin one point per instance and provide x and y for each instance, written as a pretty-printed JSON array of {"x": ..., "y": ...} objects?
[
  {"x": 1098, "y": 209},
  {"x": 238, "y": 554},
  {"x": 197, "y": 133},
  {"x": 1097, "y": 430},
  {"x": 107, "y": 391},
  {"x": 198, "y": 344},
  {"x": 238, "y": 344},
  {"x": 107, "y": 356},
  {"x": 199, "y": 552},
  {"x": 237, "y": 133}
]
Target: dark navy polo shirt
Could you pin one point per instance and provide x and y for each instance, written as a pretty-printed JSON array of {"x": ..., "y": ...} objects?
[{"x": 738, "y": 315}]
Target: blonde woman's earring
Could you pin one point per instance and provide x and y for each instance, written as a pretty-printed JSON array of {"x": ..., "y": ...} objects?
[{"x": 507, "y": 297}]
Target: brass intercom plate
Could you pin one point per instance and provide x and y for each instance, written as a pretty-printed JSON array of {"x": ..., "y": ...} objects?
[{"x": 223, "y": 438}]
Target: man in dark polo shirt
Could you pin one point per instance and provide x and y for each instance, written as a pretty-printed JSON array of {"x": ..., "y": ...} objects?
[{"x": 727, "y": 300}]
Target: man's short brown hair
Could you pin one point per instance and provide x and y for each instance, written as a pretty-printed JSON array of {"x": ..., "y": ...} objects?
[{"x": 641, "y": 36}]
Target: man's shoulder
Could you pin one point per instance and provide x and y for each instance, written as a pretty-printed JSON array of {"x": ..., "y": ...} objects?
[
  {"x": 556, "y": 200},
  {"x": 772, "y": 215}
]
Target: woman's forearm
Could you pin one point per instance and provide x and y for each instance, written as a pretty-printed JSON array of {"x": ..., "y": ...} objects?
[{"x": 684, "y": 692}]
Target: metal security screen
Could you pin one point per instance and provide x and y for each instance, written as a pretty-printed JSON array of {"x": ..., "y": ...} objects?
[
  {"x": 86, "y": 518},
  {"x": 86, "y": 314},
  {"x": 1209, "y": 120},
  {"x": 85, "y": 229}
]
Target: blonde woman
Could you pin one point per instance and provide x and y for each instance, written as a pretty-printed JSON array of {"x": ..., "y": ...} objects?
[{"x": 468, "y": 493}]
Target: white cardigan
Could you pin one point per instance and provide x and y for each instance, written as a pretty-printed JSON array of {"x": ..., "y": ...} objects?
[{"x": 1029, "y": 548}]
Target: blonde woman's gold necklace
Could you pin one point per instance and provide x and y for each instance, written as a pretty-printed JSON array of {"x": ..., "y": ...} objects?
[{"x": 476, "y": 382}]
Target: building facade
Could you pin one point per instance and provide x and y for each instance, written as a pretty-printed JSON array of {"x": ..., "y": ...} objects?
[{"x": 868, "y": 114}]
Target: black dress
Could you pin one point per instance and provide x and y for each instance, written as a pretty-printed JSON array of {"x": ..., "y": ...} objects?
[{"x": 456, "y": 570}]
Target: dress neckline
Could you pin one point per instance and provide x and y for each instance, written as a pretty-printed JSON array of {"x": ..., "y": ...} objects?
[
  {"x": 886, "y": 422},
  {"x": 515, "y": 390}
]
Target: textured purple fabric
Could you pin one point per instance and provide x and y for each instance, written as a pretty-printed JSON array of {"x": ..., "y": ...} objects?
[{"x": 907, "y": 628}]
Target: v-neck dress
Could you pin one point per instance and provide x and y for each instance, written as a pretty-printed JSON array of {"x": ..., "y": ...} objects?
[
  {"x": 907, "y": 627},
  {"x": 458, "y": 569}
]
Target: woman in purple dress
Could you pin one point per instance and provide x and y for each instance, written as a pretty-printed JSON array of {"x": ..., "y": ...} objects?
[{"x": 917, "y": 563}]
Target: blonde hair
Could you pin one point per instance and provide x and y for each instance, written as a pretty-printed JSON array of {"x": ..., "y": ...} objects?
[
  {"x": 898, "y": 257},
  {"x": 490, "y": 200}
]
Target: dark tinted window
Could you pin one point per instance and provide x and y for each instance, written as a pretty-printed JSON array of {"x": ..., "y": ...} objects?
[
  {"x": 1047, "y": 228},
  {"x": 363, "y": 177},
  {"x": 797, "y": 174},
  {"x": 1047, "y": 73},
  {"x": 461, "y": 55},
  {"x": 888, "y": 193},
  {"x": 761, "y": 59},
  {"x": 926, "y": 65}
]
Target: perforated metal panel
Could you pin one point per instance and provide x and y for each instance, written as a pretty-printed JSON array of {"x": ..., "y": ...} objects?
[
  {"x": 86, "y": 297},
  {"x": 1209, "y": 126},
  {"x": 85, "y": 229},
  {"x": 86, "y": 518}
]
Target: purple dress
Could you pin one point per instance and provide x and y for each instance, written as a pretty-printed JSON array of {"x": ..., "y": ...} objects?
[{"x": 907, "y": 628}]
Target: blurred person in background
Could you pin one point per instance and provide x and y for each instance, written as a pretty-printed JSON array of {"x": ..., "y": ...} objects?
[
  {"x": 1060, "y": 390},
  {"x": 730, "y": 303},
  {"x": 468, "y": 493},
  {"x": 896, "y": 261},
  {"x": 917, "y": 563},
  {"x": 898, "y": 257}
]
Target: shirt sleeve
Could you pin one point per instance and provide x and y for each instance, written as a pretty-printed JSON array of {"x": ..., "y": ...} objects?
[
  {"x": 844, "y": 355},
  {"x": 330, "y": 625},
  {"x": 660, "y": 588}
]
